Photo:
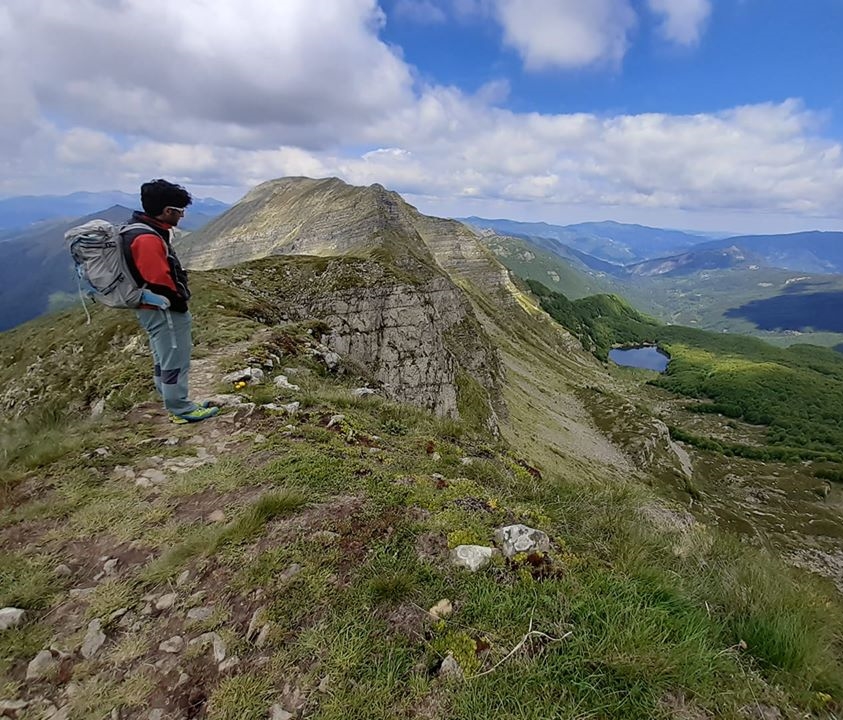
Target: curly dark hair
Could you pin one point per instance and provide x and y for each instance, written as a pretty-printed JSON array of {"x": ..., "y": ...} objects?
[{"x": 158, "y": 194}]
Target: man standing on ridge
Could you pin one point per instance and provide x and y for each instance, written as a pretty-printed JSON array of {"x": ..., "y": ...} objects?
[{"x": 165, "y": 317}]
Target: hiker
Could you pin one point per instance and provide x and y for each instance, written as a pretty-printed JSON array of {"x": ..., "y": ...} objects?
[{"x": 164, "y": 313}]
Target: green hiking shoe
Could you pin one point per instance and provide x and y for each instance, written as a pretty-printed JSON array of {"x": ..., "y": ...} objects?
[{"x": 197, "y": 415}]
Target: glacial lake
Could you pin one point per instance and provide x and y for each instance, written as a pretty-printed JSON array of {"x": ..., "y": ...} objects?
[{"x": 647, "y": 358}]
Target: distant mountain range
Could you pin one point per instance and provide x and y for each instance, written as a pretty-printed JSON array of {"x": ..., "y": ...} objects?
[
  {"x": 784, "y": 287},
  {"x": 17, "y": 213},
  {"x": 36, "y": 265},
  {"x": 613, "y": 242},
  {"x": 36, "y": 272},
  {"x": 619, "y": 249}
]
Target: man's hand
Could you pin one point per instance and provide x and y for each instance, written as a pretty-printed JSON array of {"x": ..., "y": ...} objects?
[{"x": 150, "y": 298}]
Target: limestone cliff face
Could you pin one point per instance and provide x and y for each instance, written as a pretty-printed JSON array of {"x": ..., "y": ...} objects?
[
  {"x": 419, "y": 340},
  {"x": 405, "y": 315}
]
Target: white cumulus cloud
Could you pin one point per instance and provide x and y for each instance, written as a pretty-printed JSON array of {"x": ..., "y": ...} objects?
[
  {"x": 222, "y": 99},
  {"x": 683, "y": 21},
  {"x": 566, "y": 33}
]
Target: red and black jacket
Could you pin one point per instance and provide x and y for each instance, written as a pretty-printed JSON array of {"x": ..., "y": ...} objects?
[{"x": 153, "y": 262}]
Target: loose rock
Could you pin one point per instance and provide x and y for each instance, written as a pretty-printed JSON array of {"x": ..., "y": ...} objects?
[
  {"x": 200, "y": 614},
  {"x": 211, "y": 638},
  {"x": 471, "y": 557},
  {"x": 289, "y": 573},
  {"x": 228, "y": 665},
  {"x": 362, "y": 392},
  {"x": 63, "y": 571},
  {"x": 165, "y": 602},
  {"x": 11, "y": 617},
  {"x": 217, "y": 516},
  {"x": 41, "y": 666},
  {"x": 263, "y": 636},
  {"x": 450, "y": 668},
  {"x": 224, "y": 400},
  {"x": 335, "y": 420},
  {"x": 12, "y": 705},
  {"x": 94, "y": 640},
  {"x": 250, "y": 376},
  {"x": 254, "y": 623},
  {"x": 515, "y": 539},
  {"x": 282, "y": 382},
  {"x": 276, "y": 712},
  {"x": 173, "y": 645}
]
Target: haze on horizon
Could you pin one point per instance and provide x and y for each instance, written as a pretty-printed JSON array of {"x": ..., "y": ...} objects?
[{"x": 671, "y": 113}]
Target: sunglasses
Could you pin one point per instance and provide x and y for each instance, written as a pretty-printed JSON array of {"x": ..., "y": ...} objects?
[{"x": 179, "y": 210}]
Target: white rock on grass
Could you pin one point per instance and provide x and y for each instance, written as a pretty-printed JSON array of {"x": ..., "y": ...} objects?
[
  {"x": 250, "y": 376},
  {"x": 255, "y": 623},
  {"x": 289, "y": 409},
  {"x": 263, "y": 636},
  {"x": 173, "y": 645},
  {"x": 41, "y": 666},
  {"x": 12, "y": 705},
  {"x": 200, "y": 614},
  {"x": 165, "y": 602},
  {"x": 225, "y": 400},
  {"x": 63, "y": 571},
  {"x": 213, "y": 639},
  {"x": 282, "y": 382},
  {"x": 276, "y": 712},
  {"x": 11, "y": 617},
  {"x": 228, "y": 665},
  {"x": 362, "y": 392},
  {"x": 515, "y": 539},
  {"x": 450, "y": 668},
  {"x": 94, "y": 640},
  {"x": 472, "y": 557}
]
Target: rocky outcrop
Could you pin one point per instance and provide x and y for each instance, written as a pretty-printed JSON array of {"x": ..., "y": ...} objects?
[{"x": 416, "y": 336}]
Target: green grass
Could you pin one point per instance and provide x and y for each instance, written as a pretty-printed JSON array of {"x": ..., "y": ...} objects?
[
  {"x": 244, "y": 697},
  {"x": 208, "y": 540},
  {"x": 649, "y": 614},
  {"x": 26, "y": 582}
]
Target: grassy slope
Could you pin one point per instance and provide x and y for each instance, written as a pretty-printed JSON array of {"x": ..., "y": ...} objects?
[{"x": 661, "y": 623}]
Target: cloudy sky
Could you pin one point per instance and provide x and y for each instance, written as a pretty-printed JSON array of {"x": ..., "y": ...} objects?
[{"x": 707, "y": 114}]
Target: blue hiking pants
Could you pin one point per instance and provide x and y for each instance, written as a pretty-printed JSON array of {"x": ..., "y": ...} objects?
[{"x": 171, "y": 348}]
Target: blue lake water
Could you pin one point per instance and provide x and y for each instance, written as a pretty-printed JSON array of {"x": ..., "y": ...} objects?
[{"x": 648, "y": 358}]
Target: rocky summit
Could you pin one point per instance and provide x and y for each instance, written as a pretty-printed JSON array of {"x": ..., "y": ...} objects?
[{"x": 422, "y": 498}]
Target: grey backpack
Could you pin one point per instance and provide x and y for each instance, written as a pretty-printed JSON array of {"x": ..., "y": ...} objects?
[{"x": 101, "y": 266}]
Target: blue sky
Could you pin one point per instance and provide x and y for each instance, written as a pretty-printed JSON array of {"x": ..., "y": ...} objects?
[
  {"x": 700, "y": 114},
  {"x": 750, "y": 51}
]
